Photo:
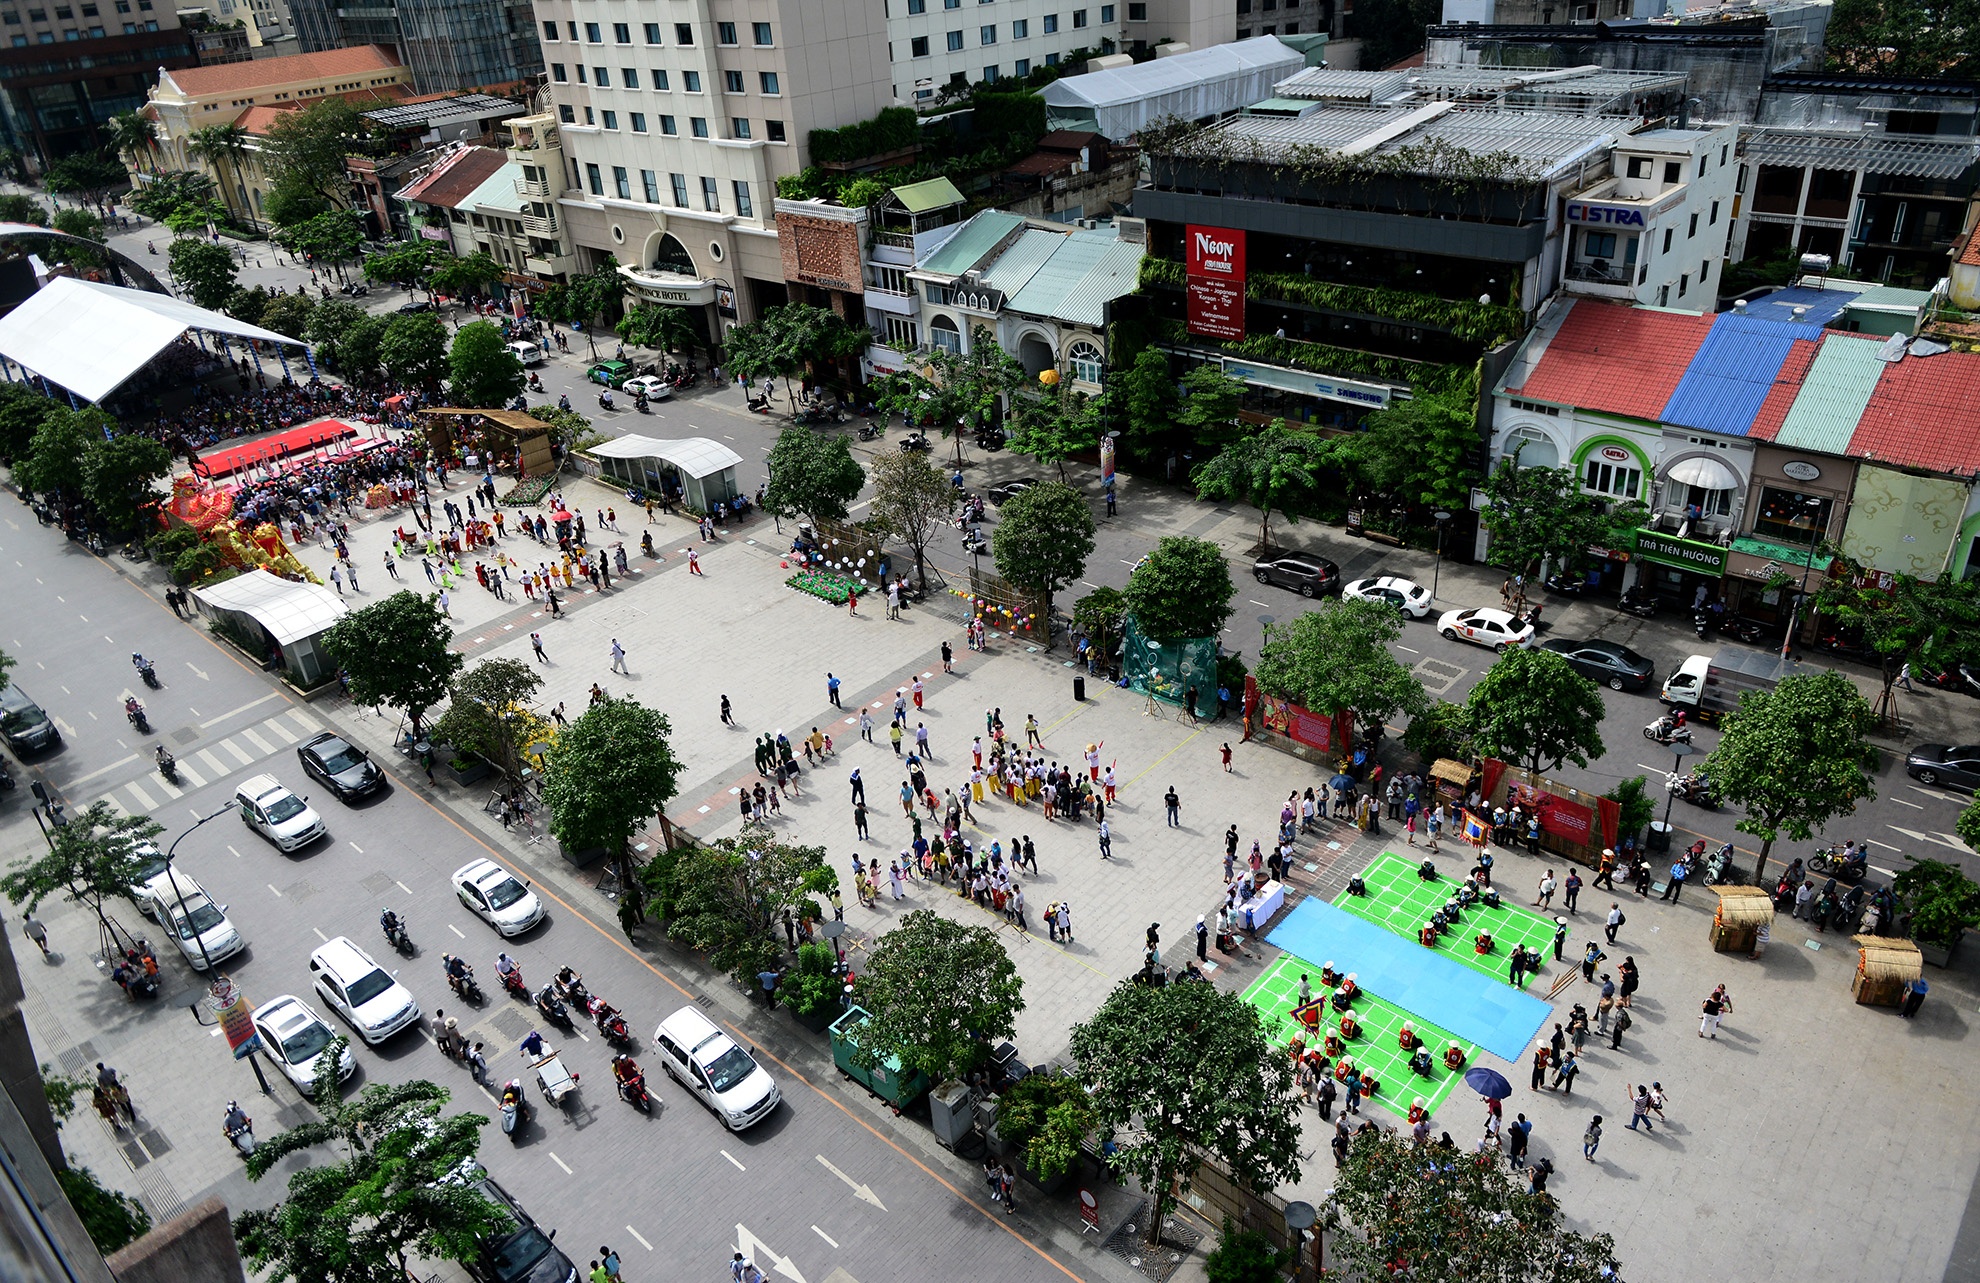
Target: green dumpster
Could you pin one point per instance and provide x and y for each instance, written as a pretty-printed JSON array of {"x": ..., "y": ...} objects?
[{"x": 884, "y": 1080}]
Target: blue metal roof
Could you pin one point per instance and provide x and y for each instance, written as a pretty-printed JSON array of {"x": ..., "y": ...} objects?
[
  {"x": 1732, "y": 373},
  {"x": 1824, "y": 306}
]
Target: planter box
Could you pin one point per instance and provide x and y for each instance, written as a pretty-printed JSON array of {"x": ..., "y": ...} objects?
[
  {"x": 465, "y": 775},
  {"x": 818, "y": 1023},
  {"x": 1939, "y": 955},
  {"x": 1045, "y": 1186}
]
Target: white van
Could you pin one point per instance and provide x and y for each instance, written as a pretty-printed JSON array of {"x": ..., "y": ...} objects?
[
  {"x": 526, "y": 352},
  {"x": 712, "y": 1065}
]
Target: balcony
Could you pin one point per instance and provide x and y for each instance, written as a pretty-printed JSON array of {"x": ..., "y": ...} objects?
[
  {"x": 533, "y": 188},
  {"x": 1602, "y": 279},
  {"x": 540, "y": 224}
]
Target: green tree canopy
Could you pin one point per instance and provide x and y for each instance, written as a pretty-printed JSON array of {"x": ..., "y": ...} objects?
[
  {"x": 474, "y": 273},
  {"x": 812, "y": 475},
  {"x": 330, "y": 320},
  {"x": 669, "y": 329},
  {"x": 1939, "y": 901},
  {"x": 22, "y": 411},
  {"x": 134, "y": 138},
  {"x": 940, "y": 994},
  {"x": 79, "y": 222},
  {"x": 1415, "y": 452},
  {"x": 413, "y": 349},
  {"x": 58, "y": 453},
  {"x": 726, "y": 899},
  {"x": 333, "y": 237},
  {"x": 1337, "y": 659},
  {"x": 1145, "y": 392},
  {"x": 1794, "y": 758},
  {"x": 97, "y": 854},
  {"x": 1905, "y": 622},
  {"x": 305, "y": 149},
  {"x": 167, "y": 193},
  {"x": 1533, "y": 709},
  {"x": 225, "y": 148},
  {"x": 289, "y": 205},
  {"x": 1181, "y": 590},
  {"x": 594, "y": 299},
  {"x": 1542, "y": 514},
  {"x": 1906, "y": 39},
  {"x": 1209, "y": 403},
  {"x": 396, "y": 653},
  {"x": 912, "y": 501},
  {"x": 948, "y": 391},
  {"x": 790, "y": 339},
  {"x": 87, "y": 175},
  {"x": 246, "y": 304},
  {"x": 117, "y": 480},
  {"x": 1276, "y": 470},
  {"x": 408, "y": 264},
  {"x": 488, "y": 712},
  {"x": 18, "y": 208},
  {"x": 610, "y": 772},
  {"x": 1100, "y": 615},
  {"x": 1183, "y": 1072},
  {"x": 289, "y": 314},
  {"x": 1054, "y": 424},
  {"x": 204, "y": 270},
  {"x": 481, "y": 371},
  {"x": 1042, "y": 540}
]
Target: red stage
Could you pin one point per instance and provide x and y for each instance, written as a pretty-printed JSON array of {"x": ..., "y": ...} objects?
[{"x": 274, "y": 448}]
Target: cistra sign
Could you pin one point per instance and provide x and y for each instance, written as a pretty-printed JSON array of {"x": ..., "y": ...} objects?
[{"x": 1606, "y": 215}]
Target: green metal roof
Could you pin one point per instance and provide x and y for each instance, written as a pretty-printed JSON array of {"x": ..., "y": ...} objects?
[
  {"x": 976, "y": 238},
  {"x": 1754, "y": 546},
  {"x": 498, "y": 191},
  {"x": 1088, "y": 269},
  {"x": 1889, "y": 298},
  {"x": 1021, "y": 261},
  {"x": 921, "y": 198},
  {"x": 1832, "y": 397},
  {"x": 1279, "y": 107}
]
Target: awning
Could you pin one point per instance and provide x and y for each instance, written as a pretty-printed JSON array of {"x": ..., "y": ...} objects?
[
  {"x": 1706, "y": 474},
  {"x": 288, "y": 610},
  {"x": 696, "y": 456}
]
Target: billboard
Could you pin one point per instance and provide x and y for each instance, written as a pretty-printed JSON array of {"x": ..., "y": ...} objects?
[
  {"x": 1216, "y": 308},
  {"x": 1216, "y": 252},
  {"x": 1558, "y": 816}
]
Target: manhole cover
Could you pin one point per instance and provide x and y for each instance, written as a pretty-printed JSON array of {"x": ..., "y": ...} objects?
[
  {"x": 299, "y": 891},
  {"x": 378, "y": 883},
  {"x": 511, "y": 1022},
  {"x": 186, "y": 735}
]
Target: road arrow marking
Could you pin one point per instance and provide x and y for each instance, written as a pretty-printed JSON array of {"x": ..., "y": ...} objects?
[
  {"x": 1943, "y": 839},
  {"x": 756, "y": 1249},
  {"x": 859, "y": 1191},
  {"x": 197, "y": 673}
]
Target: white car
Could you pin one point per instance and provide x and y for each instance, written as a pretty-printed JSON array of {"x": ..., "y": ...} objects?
[
  {"x": 1485, "y": 627},
  {"x": 1406, "y": 595},
  {"x": 367, "y": 996},
  {"x": 197, "y": 924},
  {"x": 656, "y": 388},
  {"x": 150, "y": 879},
  {"x": 295, "y": 1038},
  {"x": 525, "y": 351},
  {"x": 494, "y": 895},
  {"x": 716, "y": 1069},
  {"x": 271, "y": 810}
]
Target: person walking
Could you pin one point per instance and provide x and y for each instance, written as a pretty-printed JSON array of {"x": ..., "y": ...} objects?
[
  {"x": 948, "y": 659},
  {"x": 1615, "y": 921},
  {"x": 1571, "y": 890},
  {"x": 1227, "y": 757},
  {"x": 859, "y": 820},
  {"x": 1639, "y": 1109},
  {"x": 728, "y": 714},
  {"x": 1616, "y": 1028},
  {"x": 1516, "y": 1136},
  {"x": 1591, "y": 1140},
  {"x": 619, "y": 658},
  {"x": 536, "y": 644},
  {"x": 1544, "y": 897},
  {"x": 1713, "y": 1009},
  {"x": 1202, "y": 940},
  {"x": 1106, "y": 841},
  {"x": 477, "y": 1063},
  {"x": 36, "y": 932},
  {"x": 1564, "y": 1075},
  {"x": 1542, "y": 1054},
  {"x": 1173, "y": 804},
  {"x": 1914, "y": 995}
]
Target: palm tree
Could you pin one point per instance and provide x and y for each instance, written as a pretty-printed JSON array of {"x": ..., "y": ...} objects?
[
  {"x": 132, "y": 137},
  {"x": 217, "y": 144}
]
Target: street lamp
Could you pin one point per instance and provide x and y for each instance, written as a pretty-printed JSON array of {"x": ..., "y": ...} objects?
[
  {"x": 1814, "y": 541},
  {"x": 1437, "y": 573},
  {"x": 1300, "y": 1217},
  {"x": 1679, "y": 751},
  {"x": 179, "y": 893}
]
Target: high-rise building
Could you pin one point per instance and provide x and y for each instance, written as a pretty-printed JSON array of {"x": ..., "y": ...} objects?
[
  {"x": 449, "y": 45},
  {"x": 936, "y": 43},
  {"x": 61, "y": 79}
]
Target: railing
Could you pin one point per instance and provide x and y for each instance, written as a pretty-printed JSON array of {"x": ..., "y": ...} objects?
[
  {"x": 535, "y": 187},
  {"x": 899, "y": 240},
  {"x": 1602, "y": 273},
  {"x": 540, "y": 225}
]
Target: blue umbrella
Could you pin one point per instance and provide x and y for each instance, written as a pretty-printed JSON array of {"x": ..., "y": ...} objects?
[
  {"x": 1342, "y": 781},
  {"x": 1489, "y": 1083}
]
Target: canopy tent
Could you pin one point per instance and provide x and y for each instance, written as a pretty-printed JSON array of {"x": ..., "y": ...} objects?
[
  {"x": 92, "y": 338},
  {"x": 701, "y": 471},
  {"x": 509, "y": 430},
  {"x": 291, "y": 615},
  {"x": 1706, "y": 474},
  {"x": 1202, "y": 83}
]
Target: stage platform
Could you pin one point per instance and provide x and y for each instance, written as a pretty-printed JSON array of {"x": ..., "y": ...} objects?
[{"x": 274, "y": 447}]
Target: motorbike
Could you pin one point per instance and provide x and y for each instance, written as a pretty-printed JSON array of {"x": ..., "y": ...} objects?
[
  {"x": 1847, "y": 863},
  {"x": 395, "y": 933},
  {"x": 991, "y": 439},
  {"x": 1666, "y": 731},
  {"x": 134, "y": 713},
  {"x": 353, "y": 289},
  {"x": 1639, "y": 603},
  {"x": 640, "y": 404},
  {"x": 514, "y": 984},
  {"x": 871, "y": 432},
  {"x": 552, "y": 1008},
  {"x": 515, "y": 1109},
  {"x": 1697, "y": 790},
  {"x": 916, "y": 441},
  {"x": 573, "y": 990},
  {"x": 535, "y": 384},
  {"x": 1701, "y": 623},
  {"x": 974, "y": 543},
  {"x": 240, "y": 1130},
  {"x": 1716, "y": 867},
  {"x": 1750, "y": 631},
  {"x": 463, "y": 984},
  {"x": 151, "y": 247},
  {"x": 1849, "y": 908},
  {"x": 611, "y": 1024},
  {"x": 633, "y": 1091},
  {"x": 563, "y": 401},
  {"x": 520, "y": 403},
  {"x": 149, "y": 673},
  {"x": 605, "y": 401},
  {"x": 1567, "y": 585},
  {"x": 168, "y": 766}
]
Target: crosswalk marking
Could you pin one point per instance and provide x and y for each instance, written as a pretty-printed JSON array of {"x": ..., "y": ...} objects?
[
  {"x": 256, "y": 740},
  {"x": 171, "y": 790},
  {"x": 144, "y": 799},
  {"x": 212, "y": 763},
  {"x": 235, "y": 749},
  {"x": 185, "y": 769},
  {"x": 277, "y": 728},
  {"x": 133, "y": 798}
]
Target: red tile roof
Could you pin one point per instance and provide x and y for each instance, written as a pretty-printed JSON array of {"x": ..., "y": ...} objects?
[
  {"x": 1598, "y": 340},
  {"x": 1787, "y": 386},
  {"x": 453, "y": 180},
  {"x": 256, "y": 120},
  {"x": 1969, "y": 253},
  {"x": 1924, "y": 413},
  {"x": 266, "y": 73}
]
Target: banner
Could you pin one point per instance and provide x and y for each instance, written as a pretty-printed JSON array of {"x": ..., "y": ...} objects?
[
  {"x": 1216, "y": 252},
  {"x": 1610, "y": 812},
  {"x": 236, "y": 1019},
  {"x": 1296, "y": 723},
  {"x": 1216, "y": 308},
  {"x": 1564, "y": 819},
  {"x": 1107, "y": 460}
]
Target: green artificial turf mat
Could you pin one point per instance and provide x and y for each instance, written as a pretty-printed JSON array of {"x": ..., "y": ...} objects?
[{"x": 1401, "y": 902}]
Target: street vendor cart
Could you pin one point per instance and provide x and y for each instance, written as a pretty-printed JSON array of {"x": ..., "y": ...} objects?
[
  {"x": 1885, "y": 969},
  {"x": 558, "y": 1083},
  {"x": 1742, "y": 912}
]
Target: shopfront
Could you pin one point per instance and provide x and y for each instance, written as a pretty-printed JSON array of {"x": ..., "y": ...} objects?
[
  {"x": 1796, "y": 505},
  {"x": 1682, "y": 572}
]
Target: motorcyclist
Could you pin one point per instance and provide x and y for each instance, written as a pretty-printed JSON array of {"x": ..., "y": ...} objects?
[
  {"x": 236, "y": 1120},
  {"x": 605, "y": 398},
  {"x": 151, "y": 247},
  {"x": 547, "y": 998},
  {"x": 389, "y": 921},
  {"x": 626, "y": 1070},
  {"x": 563, "y": 401},
  {"x": 457, "y": 970},
  {"x": 568, "y": 980},
  {"x": 139, "y": 662},
  {"x": 505, "y": 966},
  {"x": 133, "y": 709},
  {"x": 166, "y": 762},
  {"x": 602, "y": 1011}
]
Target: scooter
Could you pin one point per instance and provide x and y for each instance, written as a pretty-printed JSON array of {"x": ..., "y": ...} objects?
[
  {"x": 916, "y": 441},
  {"x": 1750, "y": 631},
  {"x": 1666, "y": 731},
  {"x": 573, "y": 991},
  {"x": 168, "y": 766},
  {"x": 552, "y": 1008},
  {"x": 149, "y": 673},
  {"x": 134, "y": 713},
  {"x": 974, "y": 542},
  {"x": 1701, "y": 623},
  {"x": 515, "y": 1110},
  {"x": 1715, "y": 868},
  {"x": 611, "y": 1024},
  {"x": 633, "y": 1092},
  {"x": 1567, "y": 585},
  {"x": 640, "y": 404},
  {"x": 1847, "y": 864},
  {"x": 605, "y": 401},
  {"x": 1697, "y": 790},
  {"x": 395, "y": 934},
  {"x": 871, "y": 432},
  {"x": 535, "y": 384},
  {"x": 1639, "y": 603},
  {"x": 240, "y": 1130},
  {"x": 463, "y": 984},
  {"x": 514, "y": 984}
]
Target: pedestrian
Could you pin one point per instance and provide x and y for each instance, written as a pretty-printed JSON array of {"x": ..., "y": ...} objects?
[
  {"x": 1675, "y": 887},
  {"x": 1615, "y": 921},
  {"x": 1202, "y": 940},
  {"x": 1545, "y": 896},
  {"x": 728, "y": 715},
  {"x": 1621, "y": 1022},
  {"x": 598, "y": 1274},
  {"x": 536, "y": 644},
  {"x": 37, "y": 933},
  {"x": 1591, "y": 1140},
  {"x": 1571, "y": 890},
  {"x": 619, "y": 658},
  {"x": 694, "y": 562},
  {"x": 859, "y": 820},
  {"x": 1564, "y": 1075},
  {"x": 1639, "y": 1109},
  {"x": 337, "y": 578},
  {"x": 1106, "y": 841},
  {"x": 1560, "y": 937},
  {"x": 1914, "y": 997},
  {"x": 1542, "y": 1054},
  {"x": 1173, "y": 803},
  {"x": 866, "y": 726},
  {"x": 948, "y": 659},
  {"x": 1713, "y": 1009},
  {"x": 1227, "y": 756},
  {"x": 894, "y": 736},
  {"x": 832, "y": 693},
  {"x": 477, "y": 1063},
  {"x": 391, "y": 567}
]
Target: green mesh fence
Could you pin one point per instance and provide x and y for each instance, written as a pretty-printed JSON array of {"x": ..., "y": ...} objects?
[{"x": 1166, "y": 670}]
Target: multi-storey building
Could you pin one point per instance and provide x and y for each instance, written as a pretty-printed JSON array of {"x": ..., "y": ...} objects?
[
  {"x": 935, "y": 43},
  {"x": 502, "y": 203},
  {"x": 449, "y": 45},
  {"x": 69, "y": 65}
]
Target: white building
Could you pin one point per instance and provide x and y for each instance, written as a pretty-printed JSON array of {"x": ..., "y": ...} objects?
[
  {"x": 932, "y": 43},
  {"x": 1656, "y": 229}
]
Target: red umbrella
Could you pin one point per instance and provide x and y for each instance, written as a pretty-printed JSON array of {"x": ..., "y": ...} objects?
[{"x": 560, "y": 516}]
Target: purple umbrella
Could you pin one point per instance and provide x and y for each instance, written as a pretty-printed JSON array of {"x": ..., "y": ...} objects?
[{"x": 1489, "y": 1083}]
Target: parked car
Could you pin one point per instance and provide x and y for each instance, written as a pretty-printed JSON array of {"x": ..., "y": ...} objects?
[
  {"x": 520, "y": 1252},
  {"x": 1307, "y": 576},
  {"x": 1406, "y": 595},
  {"x": 22, "y": 723},
  {"x": 526, "y": 352},
  {"x": 612, "y": 374},
  {"x": 493, "y": 894},
  {"x": 1613, "y": 664},
  {"x": 344, "y": 768},
  {"x": 295, "y": 1038},
  {"x": 271, "y": 810},
  {"x": 197, "y": 925},
  {"x": 655, "y": 387},
  {"x": 416, "y": 306},
  {"x": 366, "y": 995},
  {"x": 716, "y": 1069},
  {"x": 1010, "y": 490},
  {"x": 1957, "y": 766},
  {"x": 1485, "y": 626}
]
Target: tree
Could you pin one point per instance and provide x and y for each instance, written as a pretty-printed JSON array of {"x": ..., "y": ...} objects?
[
  {"x": 1901, "y": 623},
  {"x": 391, "y": 1191},
  {"x": 1054, "y": 424},
  {"x": 332, "y": 238},
  {"x": 939, "y": 993},
  {"x": 1100, "y": 615},
  {"x": 727, "y": 898},
  {"x": 1441, "y": 730},
  {"x": 110, "y": 1218},
  {"x": 789, "y": 340},
  {"x": 94, "y": 856},
  {"x": 1417, "y": 451},
  {"x": 668, "y": 329},
  {"x": 306, "y": 149},
  {"x": 330, "y": 321},
  {"x": 289, "y": 314},
  {"x": 133, "y": 137},
  {"x": 169, "y": 191},
  {"x": 117, "y": 482},
  {"x": 17, "y": 208},
  {"x": 610, "y": 772},
  {"x": 413, "y": 349},
  {"x": 488, "y": 713},
  {"x": 81, "y": 223},
  {"x": 1967, "y": 826},
  {"x": 246, "y": 304},
  {"x": 1277, "y": 469},
  {"x": 1937, "y": 901},
  {"x": 474, "y": 273},
  {"x": 88, "y": 176},
  {"x": 1532, "y": 708},
  {"x": 22, "y": 411},
  {"x": 1181, "y": 590},
  {"x": 954, "y": 391},
  {"x": 1537, "y": 515},
  {"x": 1146, "y": 393},
  {"x": 1209, "y": 402},
  {"x": 1182, "y": 1073},
  {"x": 912, "y": 501},
  {"x": 409, "y": 264},
  {"x": 360, "y": 352},
  {"x": 482, "y": 372},
  {"x": 1243, "y": 1256},
  {"x": 1794, "y": 757},
  {"x": 203, "y": 270},
  {"x": 812, "y": 475},
  {"x": 1917, "y": 39},
  {"x": 1632, "y": 799},
  {"x": 1337, "y": 659},
  {"x": 58, "y": 453},
  {"x": 223, "y": 148},
  {"x": 396, "y": 653},
  {"x": 288, "y": 205},
  {"x": 1042, "y": 541},
  {"x": 1453, "y": 1218},
  {"x": 596, "y": 296}
]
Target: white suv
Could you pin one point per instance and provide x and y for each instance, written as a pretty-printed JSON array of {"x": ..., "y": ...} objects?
[
  {"x": 374, "y": 1003},
  {"x": 271, "y": 810},
  {"x": 716, "y": 1069}
]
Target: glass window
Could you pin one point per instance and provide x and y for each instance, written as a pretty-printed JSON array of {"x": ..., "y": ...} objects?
[
  {"x": 918, "y": 46},
  {"x": 639, "y": 122},
  {"x": 593, "y": 34},
  {"x": 760, "y": 33},
  {"x": 667, "y": 125},
  {"x": 584, "y": 77},
  {"x": 732, "y": 81},
  {"x": 744, "y": 208},
  {"x": 651, "y": 31},
  {"x": 1079, "y": 19},
  {"x": 650, "y": 181},
  {"x": 557, "y": 73},
  {"x": 955, "y": 41},
  {"x": 691, "y": 81},
  {"x": 611, "y": 119},
  {"x": 1051, "y": 23},
  {"x": 1020, "y": 29},
  {"x": 774, "y": 130},
  {"x": 567, "y": 113},
  {"x": 698, "y": 126},
  {"x": 943, "y": 334},
  {"x": 901, "y": 332},
  {"x": 1790, "y": 516},
  {"x": 1598, "y": 244},
  {"x": 767, "y": 81},
  {"x": 711, "y": 196},
  {"x": 601, "y": 76},
  {"x": 1137, "y": 13},
  {"x": 1694, "y": 227},
  {"x": 621, "y": 183},
  {"x": 1621, "y": 480},
  {"x": 725, "y": 33},
  {"x": 1023, "y": 68},
  {"x": 660, "y": 79},
  {"x": 738, "y": 127},
  {"x": 1106, "y": 15},
  {"x": 572, "y": 28},
  {"x": 1051, "y": 60},
  {"x": 595, "y": 179},
  {"x": 917, "y": 6},
  {"x": 680, "y": 189},
  {"x": 549, "y": 28},
  {"x": 1086, "y": 365},
  {"x": 683, "y": 33},
  {"x": 622, "y": 33},
  {"x": 987, "y": 35},
  {"x": 629, "y": 77},
  {"x": 1714, "y": 220},
  {"x": 589, "y": 119},
  {"x": 1684, "y": 283}
]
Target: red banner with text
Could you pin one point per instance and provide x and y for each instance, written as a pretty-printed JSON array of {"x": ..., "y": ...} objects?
[{"x": 1216, "y": 308}]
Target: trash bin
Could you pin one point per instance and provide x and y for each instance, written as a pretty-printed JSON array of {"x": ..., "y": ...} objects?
[
  {"x": 1660, "y": 836},
  {"x": 1079, "y": 688}
]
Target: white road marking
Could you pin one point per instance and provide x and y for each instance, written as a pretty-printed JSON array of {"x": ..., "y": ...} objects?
[
  {"x": 1886, "y": 845},
  {"x": 276, "y": 728},
  {"x": 256, "y": 740},
  {"x": 640, "y": 1238},
  {"x": 144, "y": 798},
  {"x": 234, "y": 853},
  {"x": 457, "y": 931},
  {"x": 402, "y": 886},
  {"x": 320, "y": 936},
  {"x": 732, "y": 1158},
  {"x": 212, "y": 763},
  {"x": 822, "y": 1234},
  {"x": 578, "y": 1032},
  {"x": 215, "y": 721},
  {"x": 1932, "y": 793},
  {"x": 1406, "y": 650},
  {"x": 101, "y": 770},
  {"x": 561, "y": 1163},
  {"x": 1913, "y": 805},
  {"x": 185, "y": 769},
  {"x": 272, "y": 887},
  {"x": 355, "y": 847},
  {"x": 245, "y": 758}
]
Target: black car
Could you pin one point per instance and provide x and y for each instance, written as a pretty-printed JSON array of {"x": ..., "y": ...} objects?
[
  {"x": 341, "y": 765},
  {"x": 1610, "y": 663},
  {"x": 416, "y": 306},
  {"x": 23, "y": 724},
  {"x": 1955, "y": 765},
  {"x": 1011, "y": 489},
  {"x": 1307, "y": 576},
  {"x": 521, "y": 1253}
]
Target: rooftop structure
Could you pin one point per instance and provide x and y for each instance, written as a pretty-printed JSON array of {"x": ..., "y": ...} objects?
[{"x": 1198, "y": 85}]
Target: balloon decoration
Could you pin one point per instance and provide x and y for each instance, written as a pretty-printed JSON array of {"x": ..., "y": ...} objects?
[{"x": 991, "y": 614}]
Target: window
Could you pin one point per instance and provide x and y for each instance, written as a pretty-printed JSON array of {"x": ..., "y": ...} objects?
[
  {"x": 902, "y": 332},
  {"x": 725, "y": 33},
  {"x": 1667, "y": 238},
  {"x": 738, "y": 127},
  {"x": 1137, "y": 13},
  {"x": 744, "y": 209},
  {"x": 620, "y": 183},
  {"x": 732, "y": 82},
  {"x": 990, "y": 74},
  {"x": 952, "y": 4},
  {"x": 660, "y": 80},
  {"x": 1022, "y": 69},
  {"x": 1051, "y": 24},
  {"x": 1673, "y": 172},
  {"x": 1598, "y": 244},
  {"x": 1639, "y": 167},
  {"x": 611, "y": 119},
  {"x": 691, "y": 81},
  {"x": 680, "y": 189},
  {"x": 1714, "y": 220},
  {"x": 955, "y": 41},
  {"x": 549, "y": 28},
  {"x": 1085, "y": 362},
  {"x": 767, "y": 82},
  {"x": 572, "y": 28},
  {"x": 683, "y": 34},
  {"x": 1723, "y": 152},
  {"x": 622, "y": 33},
  {"x": 698, "y": 126},
  {"x": 1684, "y": 283},
  {"x": 943, "y": 334},
  {"x": 602, "y": 77},
  {"x": 593, "y": 34},
  {"x": 629, "y": 77},
  {"x": 1106, "y": 15},
  {"x": 1020, "y": 30},
  {"x": 1079, "y": 19},
  {"x": 1694, "y": 227},
  {"x": 567, "y": 113},
  {"x": 936, "y": 294},
  {"x": 918, "y": 47},
  {"x": 1702, "y": 162},
  {"x": 639, "y": 122},
  {"x": 651, "y": 31},
  {"x": 711, "y": 196},
  {"x": 1663, "y": 296},
  {"x": 917, "y": 6},
  {"x": 650, "y": 181},
  {"x": 759, "y": 32},
  {"x": 589, "y": 119},
  {"x": 595, "y": 180},
  {"x": 890, "y": 280},
  {"x": 1621, "y": 480},
  {"x": 774, "y": 130},
  {"x": 987, "y": 35},
  {"x": 1704, "y": 273},
  {"x": 1790, "y": 517},
  {"x": 668, "y": 126},
  {"x": 557, "y": 73},
  {"x": 584, "y": 77},
  {"x": 1051, "y": 60}
]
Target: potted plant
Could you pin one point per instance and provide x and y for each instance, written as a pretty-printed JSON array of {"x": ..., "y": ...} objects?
[
  {"x": 1941, "y": 902},
  {"x": 812, "y": 988},
  {"x": 1045, "y": 1117}
]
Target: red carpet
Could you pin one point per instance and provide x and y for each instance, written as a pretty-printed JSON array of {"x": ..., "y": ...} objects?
[{"x": 272, "y": 448}]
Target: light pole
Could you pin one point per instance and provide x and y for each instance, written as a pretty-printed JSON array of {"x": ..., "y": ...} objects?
[
  {"x": 1679, "y": 751},
  {"x": 179, "y": 893},
  {"x": 1814, "y": 542},
  {"x": 1437, "y": 572}
]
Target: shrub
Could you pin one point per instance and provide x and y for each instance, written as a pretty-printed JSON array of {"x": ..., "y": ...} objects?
[
  {"x": 1047, "y": 1116},
  {"x": 813, "y": 986}
]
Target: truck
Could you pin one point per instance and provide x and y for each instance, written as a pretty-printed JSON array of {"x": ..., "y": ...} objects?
[{"x": 1708, "y": 686}]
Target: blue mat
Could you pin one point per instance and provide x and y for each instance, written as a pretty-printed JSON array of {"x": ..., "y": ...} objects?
[{"x": 1494, "y": 1015}]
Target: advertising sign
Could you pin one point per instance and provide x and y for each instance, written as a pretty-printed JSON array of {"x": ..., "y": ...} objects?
[
  {"x": 1685, "y": 554},
  {"x": 1107, "y": 461},
  {"x": 1216, "y": 252},
  {"x": 1606, "y": 215},
  {"x": 1564, "y": 819},
  {"x": 1295, "y": 723},
  {"x": 1216, "y": 308},
  {"x": 236, "y": 1020}
]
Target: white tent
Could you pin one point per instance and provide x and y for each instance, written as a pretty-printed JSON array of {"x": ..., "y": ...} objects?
[
  {"x": 292, "y": 615},
  {"x": 1203, "y": 82},
  {"x": 701, "y": 471},
  {"x": 91, "y": 338}
]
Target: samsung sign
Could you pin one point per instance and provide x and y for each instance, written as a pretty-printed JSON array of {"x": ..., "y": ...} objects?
[{"x": 1605, "y": 215}]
